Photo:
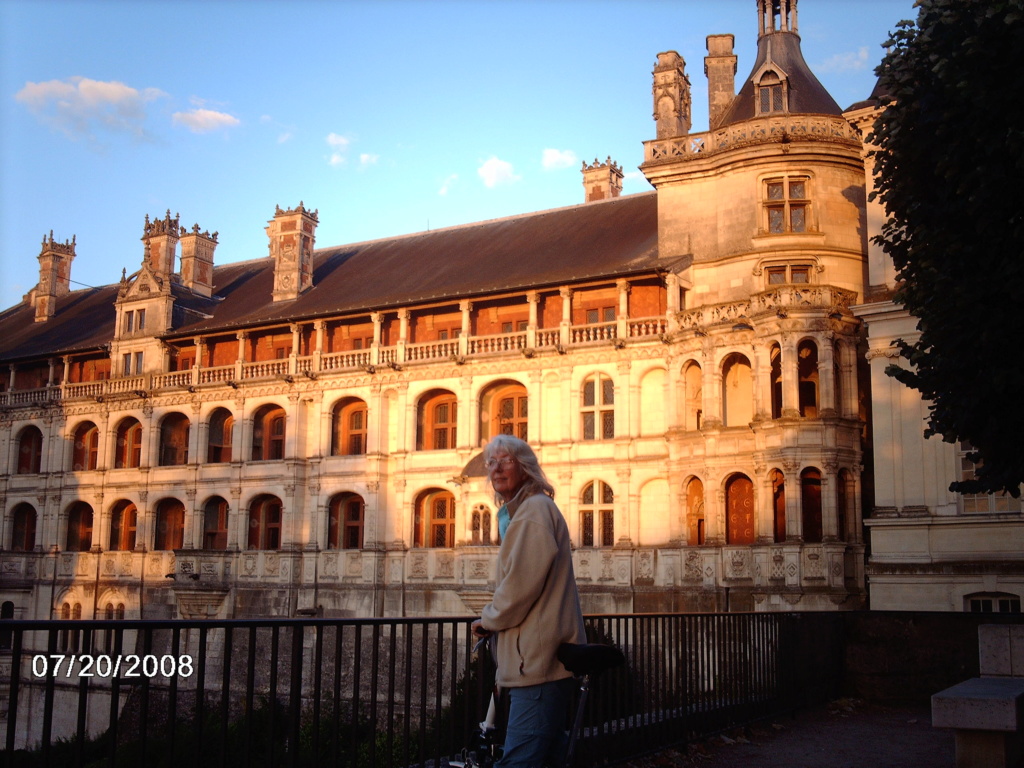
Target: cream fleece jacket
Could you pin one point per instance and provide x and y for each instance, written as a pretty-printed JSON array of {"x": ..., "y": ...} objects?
[{"x": 536, "y": 605}]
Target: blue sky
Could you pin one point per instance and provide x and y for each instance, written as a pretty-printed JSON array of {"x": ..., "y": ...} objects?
[{"x": 388, "y": 117}]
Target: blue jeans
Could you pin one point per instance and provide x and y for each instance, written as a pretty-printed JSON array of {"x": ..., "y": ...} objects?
[{"x": 536, "y": 734}]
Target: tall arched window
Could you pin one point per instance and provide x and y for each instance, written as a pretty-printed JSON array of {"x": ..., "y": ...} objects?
[
  {"x": 778, "y": 481},
  {"x": 30, "y": 451},
  {"x": 481, "y": 524},
  {"x": 695, "y": 530},
  {"x": 844, "y": 503},
  {"x": 86, "y": 443},
  {"x": 268, "y": 429},
  {"x": 218, "y": 449},
  {"x": 693, "y": 397},
  {"x": 79, "y": 538},
  {"x": 807, "y": 369},
  {"x": 128, "y": 446},
  {"x": 810, "y": 493},
  {"x": 776, "y": 380},
  {"x": 215, "y": 524},
  {"x": 69, "y": 638},
  {"x": 598, "y": 408},
  {"x": 348, "y": 428},
  {"x": 503, "y": 410},
  {"x": 170, "y": 525},
  {"x": 739, "y": 510},
  {"x": 23, "y": 538},
  {"x": 737, "y": 391},
  {"x": 123, "y": 524},
  {"x": 597, "y": 515},
  {"x": 437, "y": 421},
  {"x": 435, "y": 520},
  {"x": 345, "y": 521},
  {"x": 265, "y": 519},
  {"x": 174, "y": 431}
]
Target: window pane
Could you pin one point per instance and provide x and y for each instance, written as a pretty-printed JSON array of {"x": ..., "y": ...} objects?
[
  {"x": 797, "y": 190},
  {"x": 588, "y": 426},
  {"x": 588, "y": 392},
  {"x": 592, "y": 316},
  {"x": 607, "y": 496},
  {"x": 797, "y": 215},
  {"x": 801, "y": 275},
  {"x": 776, "y": 275},
  {"x": 588, "y": 494},
  {"x": 607, "y": 425},
  {"x": 776, "y": 98},
  {"x": 775, "y": 190},
  {"x": 775, "y": 221},
  {"x": 765, "y": 94},
  {"x": 607, "y": 391},
  {"x": 607, "y": 528},
  {"x": 587, "y": 532}
]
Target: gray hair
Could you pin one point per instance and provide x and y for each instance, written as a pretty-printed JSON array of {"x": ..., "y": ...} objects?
[{"x": 525, "y": 458}]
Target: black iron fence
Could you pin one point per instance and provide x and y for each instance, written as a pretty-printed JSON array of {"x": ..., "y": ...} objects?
[{"x": 360, "y": 692}]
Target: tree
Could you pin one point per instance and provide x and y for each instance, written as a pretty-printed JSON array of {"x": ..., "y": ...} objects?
[{"x": 950, "y": 173}]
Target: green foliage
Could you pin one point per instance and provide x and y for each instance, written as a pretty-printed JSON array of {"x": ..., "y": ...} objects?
[{"x": 950, "y": 173}]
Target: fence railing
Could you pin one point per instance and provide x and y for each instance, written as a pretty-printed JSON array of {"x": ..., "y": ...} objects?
[{"x": 354, "y": 692}]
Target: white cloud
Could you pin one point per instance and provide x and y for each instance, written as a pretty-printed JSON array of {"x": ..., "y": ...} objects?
[
  {"x": 284, "y": 137},
  {"x": 846, "y": 62},
  {"x": 205, "y": 120},
  {"x": 447, "y": 184},
  {"x": 554, "y": 159},
  {"x": 79, "y": 106},
  {"x": 368, "y": 159},
  {"x": 494, "y": 172},
  {"x": 339, "y": 146}
]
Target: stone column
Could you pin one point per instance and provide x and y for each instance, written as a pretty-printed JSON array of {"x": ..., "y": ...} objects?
[
  {"x": 790, "y": 377},
  {"x": 375, "y": 346},
  {"x": 533, "y": 298},
  {"x": 565, "y": 328},
  {"x": 622, "y": 320},
  {"x": 465, "y": 306},
  {"x": 826, "y": 372}
]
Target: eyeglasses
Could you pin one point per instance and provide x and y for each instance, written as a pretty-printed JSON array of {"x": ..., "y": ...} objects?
[{"x": 505, "y": 463}]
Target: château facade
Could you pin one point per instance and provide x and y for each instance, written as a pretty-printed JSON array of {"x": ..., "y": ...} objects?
[{"x": 301, "y": 434}]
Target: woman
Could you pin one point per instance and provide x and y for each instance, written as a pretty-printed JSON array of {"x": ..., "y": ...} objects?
[{"x": 535, "y": 607}]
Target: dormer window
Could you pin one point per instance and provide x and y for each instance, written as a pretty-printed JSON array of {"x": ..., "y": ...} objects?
[{"x": 771, "y": 94}]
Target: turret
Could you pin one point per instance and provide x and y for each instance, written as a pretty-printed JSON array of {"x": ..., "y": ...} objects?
[
  {"x": 601, "y": 181},
  {"x": 54, "y": 275},
  {"x": 292, "y": 236}
]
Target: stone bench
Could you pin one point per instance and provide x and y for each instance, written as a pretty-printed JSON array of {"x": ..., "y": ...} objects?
[{"x": 987, "y": 713}]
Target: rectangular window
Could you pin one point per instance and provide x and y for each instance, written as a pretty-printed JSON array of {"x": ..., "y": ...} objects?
[
  {"x": 127, "y": 367},
  {"x": 786, "y": 205},
  {"x": 138, "y": 363},
  {"x": 141, "y": 317},
  {"x": 129, "y": 322}
]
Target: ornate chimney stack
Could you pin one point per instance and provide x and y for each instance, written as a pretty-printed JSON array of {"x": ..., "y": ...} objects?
[
  {"x": 671, "y": 96},
  {"x": 720, "y": 69},
  {"x": 54, "y": 275},
  {"x": 292, "y": 235},
  {"x": 197, "y": 260},
  {"x": 161, "y": 244},
  {"x": 601, "y": 180}
]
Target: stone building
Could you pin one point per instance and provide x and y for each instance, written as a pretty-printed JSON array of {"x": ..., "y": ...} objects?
[{"x": 301, "y": 433}]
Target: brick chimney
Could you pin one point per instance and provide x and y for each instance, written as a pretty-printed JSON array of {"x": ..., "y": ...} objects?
[
  {"x": 601, "y": 181},
  {"x": 54, "y": 276},
  {"x": 671, "y": 96},
  {"x": 161, "y": 244},
  {"x": 720, "y": 68},
  {"x": 292, "y": 236},
  {"x": 197, "y": 260}
]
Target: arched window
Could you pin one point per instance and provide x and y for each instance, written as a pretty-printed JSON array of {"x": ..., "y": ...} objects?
[
  {"x": 268, "y": 428},
  {"x": 504, "y": 410},
  {"x": 6, "y": 614},
  {"x": 807, "y": 370},
  {"x": 79, "y": 537},
  {"x": 437, "y": 421},
  {"x": 123, "y": 523},
  {"x": 30, "y": 451},
  {"x": 345, "y": 517},
  {"x": 174, "y": 430},
  {"x": 597, "y": 515},
  {"x": 771, "y": 96},
  {"x": 435, "y": 520},
  {"x": 69, "y": 639},
  {"x": 170, "y": 525},
  {"x": 111, "y": 613},
  {"x": 24, "y": 534},
  {"x": 778, "y": 505},
  {"x": 737, "y": 391},
  {"x": 265, "y": 518},
  {"x": 86, "y": 444},
  {"x": 739, "y": 510},
  {"x": 218, "y": 450},
  {"x": 810, "y": 493},
  {"x": 348, "y": 428},
  {"x": 481, "y": 524},
  {"x": 844, "y": 503},
  {"x": 598, "y": 408},
  {"x": 693, "y": 397},
  {"x": 215, "y": 524},
  {"x": 128, "y": 448},
  {"x": 776, "y": 380},
  {"x": 696, "y": 531}
]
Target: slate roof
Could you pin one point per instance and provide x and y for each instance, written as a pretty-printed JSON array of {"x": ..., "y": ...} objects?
[
  {"x": 607, "y": 239},
  {"x": 806, "y": 94}
]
